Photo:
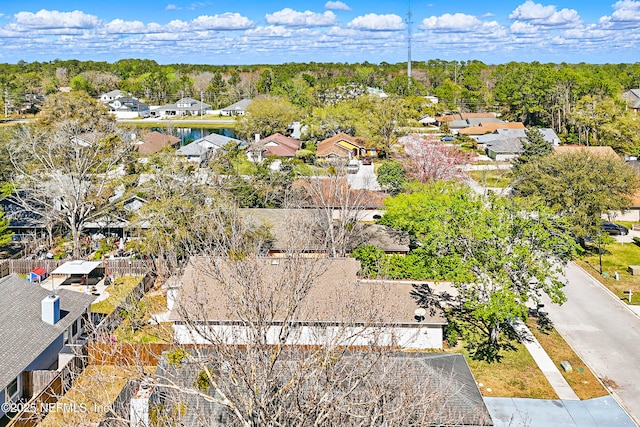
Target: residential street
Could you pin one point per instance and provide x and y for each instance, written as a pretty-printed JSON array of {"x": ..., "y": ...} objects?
[{"x": 604, "y": 333}]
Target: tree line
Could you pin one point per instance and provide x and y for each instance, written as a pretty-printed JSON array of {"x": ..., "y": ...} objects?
[{"x": 581, "y": 102}]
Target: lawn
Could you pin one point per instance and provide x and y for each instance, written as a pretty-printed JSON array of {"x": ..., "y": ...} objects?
[
  {"x": 516, "y": 375},
  {"x": 616, "y": 258},
  {"x": 581, "y": 379},
  {"x": 494, "y": 178},
  {"x": 118, "y": 291},
  {"x": 136, "y": 326}
]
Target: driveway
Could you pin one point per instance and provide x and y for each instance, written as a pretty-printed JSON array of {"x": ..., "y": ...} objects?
[
  {"x": 604, "y": 333},
  {"x": 364, "y": 179}
]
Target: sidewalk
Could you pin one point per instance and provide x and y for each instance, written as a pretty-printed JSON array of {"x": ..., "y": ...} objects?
[{"x": 544, "y": 362}]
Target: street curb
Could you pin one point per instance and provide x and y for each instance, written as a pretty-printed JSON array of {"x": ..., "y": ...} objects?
[{"x": 607, "y": 290}]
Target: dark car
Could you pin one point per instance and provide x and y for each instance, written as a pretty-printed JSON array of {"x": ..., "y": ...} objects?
[
  {"x": 366, "y": 160},
  {"x": 614, "y": 229},
  {"x": 447, "y": 139}
]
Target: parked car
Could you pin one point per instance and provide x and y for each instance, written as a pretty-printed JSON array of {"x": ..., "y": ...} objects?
[
  {"x": 366, "y": 160},
  {"x": 353, "y": 166},
  {"x": 614, "y": 229},
  {"x": 447, "y": 139}
]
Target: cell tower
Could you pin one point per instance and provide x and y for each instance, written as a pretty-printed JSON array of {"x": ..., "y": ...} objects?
[{"x": 409, "y": 22}]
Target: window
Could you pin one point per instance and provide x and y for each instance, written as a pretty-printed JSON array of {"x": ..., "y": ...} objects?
[
  {"x": 12, "y": 389},
  {"x": 74, "y": 328}
]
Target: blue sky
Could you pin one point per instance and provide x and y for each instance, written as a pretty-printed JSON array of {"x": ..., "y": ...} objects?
[{"x": 271, "y": 32}]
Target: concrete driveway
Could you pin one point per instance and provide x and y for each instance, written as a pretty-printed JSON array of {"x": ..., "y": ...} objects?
[
  {"x": 604, "y": 332},
  {"x": 364, "y": 179}
]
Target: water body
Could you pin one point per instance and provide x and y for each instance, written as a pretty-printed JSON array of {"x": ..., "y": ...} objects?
[{"x": 188, "y": 135}]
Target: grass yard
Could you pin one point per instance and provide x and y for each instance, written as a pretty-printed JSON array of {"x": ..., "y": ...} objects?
[
  {"x": 516, "y": 375},
  {"x": 581, "y": 379},
  {"x": 118, "y": 291},
  {"x": 494, "y": 178},
  {"x": 136, "y": 328},
  {"x": 616, "y": 257}
]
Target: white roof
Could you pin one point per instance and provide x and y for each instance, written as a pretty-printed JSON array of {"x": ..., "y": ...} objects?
[{"x": 77, "y": 267}]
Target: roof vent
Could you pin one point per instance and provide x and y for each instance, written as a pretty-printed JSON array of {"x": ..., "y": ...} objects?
[{"x": 420, "y": 314}]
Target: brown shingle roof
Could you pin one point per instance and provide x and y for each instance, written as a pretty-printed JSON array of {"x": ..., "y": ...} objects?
[
  {"x": 286, "y": 146},
  {"x": 598, "y": 150},
  {"x": 330, "y": 292},
  {"x": 156, "y": 141},
  {"x": 331, "y": 146},
  {"x": 490, "y": 127},
  {"x": 465, "y": 116}
]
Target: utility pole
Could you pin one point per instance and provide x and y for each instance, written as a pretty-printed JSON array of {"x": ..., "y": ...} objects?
[
  {"x": 409, "y": 47},
  {"x": 6, "y": 103}
]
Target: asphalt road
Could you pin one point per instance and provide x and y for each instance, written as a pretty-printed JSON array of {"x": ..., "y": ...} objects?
[{"x": 604, "y": 333}]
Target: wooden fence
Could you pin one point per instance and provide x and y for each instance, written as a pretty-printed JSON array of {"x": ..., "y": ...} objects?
[
  {"x": 114, "y": 267},
  {"x": 37, "y": 407}
]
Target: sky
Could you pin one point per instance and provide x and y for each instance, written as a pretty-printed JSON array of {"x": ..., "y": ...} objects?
[{"x": 249, "y": 32}]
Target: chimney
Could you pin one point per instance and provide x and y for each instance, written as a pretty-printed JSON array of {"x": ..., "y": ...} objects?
[
  {"x": 140, "y": 403},
  {"x": 51, "y": 309}
]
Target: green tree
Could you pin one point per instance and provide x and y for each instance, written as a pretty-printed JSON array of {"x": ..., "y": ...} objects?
[
  {"x": 267, "y": 115},
  {"x": 392, "y": 177},
  {"x": 500, "y": 253},
  {"x": 580, "y": 185},
  {"x": 5, "y": 233},
  {"x": 533, "y": 147}
]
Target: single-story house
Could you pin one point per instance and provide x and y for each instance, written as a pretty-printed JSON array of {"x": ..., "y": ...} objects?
[
  {"x": 432, "y": 389},
  {"x": 288, "y": 225},
  {"x": 237, "y": 108},
  {"x": 490, "y": 127},
  {"x": 182, "y": 107},
  {"x": 505, "y": 148},
  {"x": 343, "y": 147},
  {"x": 201, "y": 150},
  {"x": 155, "y": 141},
  {"x": 333, "y": 306},
  {"x": 274, "y": 145},
  {"x": 35, "y": 325}
]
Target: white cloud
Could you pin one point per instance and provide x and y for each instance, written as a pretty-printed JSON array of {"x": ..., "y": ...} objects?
[
  {"x": 118, "y": 26},
  {"x": 336, "y": 5},
  {"x": 225, "y": 22},
  {"x": 172, "y": 7},
  {"x": 626, "y": 11},
  {"x": 523, "y": 28},
  {"x": 545, "y": 15},
  {"x": 51, "y": 19},
  {"x": 292, "y": 18},
  {"x": 375, "y": 22},
  {"x": 458, "y": 22}
]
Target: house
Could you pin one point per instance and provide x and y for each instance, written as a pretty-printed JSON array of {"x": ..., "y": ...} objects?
[
  {"x": 111, "y": 96},
  {"x": 288, "y": 226},
  {"x": 334, "y": 305},
  {"x": 24, "y": 222},
  {"x": 274, "y": 145},
  {"x": 597, "y": 150},
  {"x": 446, "y": 393},
  {"x": 237, "y": 108},
  {"x": 201, "y": 150},
  {"x": 489, "y": 127},
  {"x": 632, "y": 98},
  {"x": 182, "y": 107},
  {"x": 35, "y": 326},
  {"x": 504, "y": 148},
  {"x": 127, "y": 107},
  {"x": 343, "y": 147},
  {"x": 155, "y": 141}
]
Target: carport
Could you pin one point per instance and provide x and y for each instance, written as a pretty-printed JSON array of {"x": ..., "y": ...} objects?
[{"x": 77, "y": 272}]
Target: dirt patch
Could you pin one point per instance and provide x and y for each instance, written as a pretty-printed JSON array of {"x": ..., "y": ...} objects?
[{"x": 608, "y": 382}]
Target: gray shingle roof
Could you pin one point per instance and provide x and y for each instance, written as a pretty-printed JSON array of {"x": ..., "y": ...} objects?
[
  {"x": 459, "y": 402},
  {"x": 238, "y": 106},
  {"x": 204, "y": 144},
  {"x": 23, "y": 334}
]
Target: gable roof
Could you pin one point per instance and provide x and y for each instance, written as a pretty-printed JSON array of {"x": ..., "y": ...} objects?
[
  {"x": 464, "y": 116},
  {"x": 598, "y": 150},
  {"x": 155, "y": 141},
  {"x": 284, "y": 145},
  {"x": 332, "y": 145},
  {"x": 19, "y": 215},
  {"x": 333, "y": 288},
  {"x": 447, "y": 376},
  {"x": 238, "y": 106},
  {"x": 23, "y": 334},
  {"x": 200, "y": 146},
  {"x": 490, "y": 127},
  {"x": 506, "y": 145}
]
